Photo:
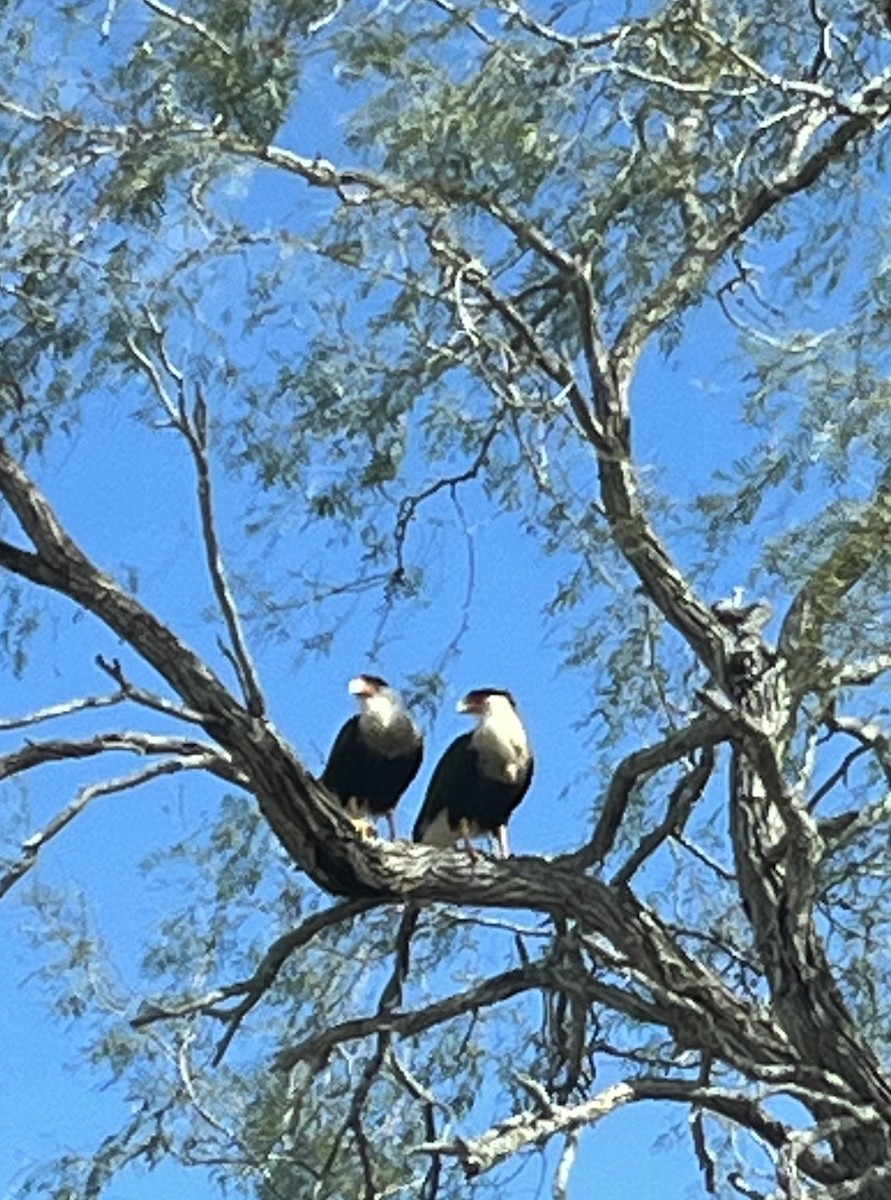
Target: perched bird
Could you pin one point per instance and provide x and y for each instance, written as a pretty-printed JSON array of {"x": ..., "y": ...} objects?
[
  {"x": 376, "y": 754},
  {"x": 481, "y": 778}
]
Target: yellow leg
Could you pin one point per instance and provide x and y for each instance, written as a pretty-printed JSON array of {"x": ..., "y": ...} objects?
[{"x": 358, "y": 814}]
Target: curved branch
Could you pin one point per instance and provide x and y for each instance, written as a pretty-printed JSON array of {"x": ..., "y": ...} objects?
[
  {"x": 61, "y": 710},
  {"x": 35, "y": 754},
  {"x": 702, "y": 733},
  {"x": 61, "y": 565},
  {"x": 193, "y": 428},
  {"x": 864, "y": 116},
  {"x": 253, "y": 989},
  {"x": 528, "y": 1129},
  {"x": 35, "y": 843},
  {"x": 317, "y": 1049},
  {"x": 683, "y": 797}
]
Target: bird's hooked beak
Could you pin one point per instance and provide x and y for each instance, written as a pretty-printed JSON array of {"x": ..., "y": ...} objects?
[
  {"x": 360, "y": 687},
  {"x": 468, "y": 704}
]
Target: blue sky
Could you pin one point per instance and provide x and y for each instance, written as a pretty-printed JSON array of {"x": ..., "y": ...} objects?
[
  {"x": 122, "y": 516},
  {"x": 127, "y": 494}
]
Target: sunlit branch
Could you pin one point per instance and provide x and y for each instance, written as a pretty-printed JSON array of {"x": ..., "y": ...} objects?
[
  {"x": 61, "y": 710},
  {"x": 192, "y": 425},
  {"x": 534, "y": 1128},
  {"x": 870, "y": 735},
  {"x": 692, "y": 267},
  {"x": 862, "y": 673},
  {"x": 706, "y": 859},
  {"x": 635, "y": 537},
  {"x": 565, "y": 1163},
  {"x": 34, "y": 754},
  {"x": 192, "y": 24},
  {"x": 548, "y": 33},
  {"x": 464, "y": 16},
  {"x": 458, "y": 261},
  {"x": 36, "y": 842}
]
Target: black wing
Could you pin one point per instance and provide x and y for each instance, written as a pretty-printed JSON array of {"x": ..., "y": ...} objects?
[
  {"x": 354, "y": 771},
  {"x": 453, "y": 778},
  {"x": 343, "y": 771}
]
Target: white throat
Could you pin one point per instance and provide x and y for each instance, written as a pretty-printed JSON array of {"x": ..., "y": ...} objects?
[
  {"x": 380, "y": 708},
  {"x": 501, "y": 740}
]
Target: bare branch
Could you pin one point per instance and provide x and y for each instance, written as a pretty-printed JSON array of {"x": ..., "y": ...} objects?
[
  {"x": 866, "y": 114},
  {"x": 193, "y": 427},
  {"x": 856, "y": 674},
  {"x": 680, "y": 805},
  {"x": 316, "y": 1050},
  {"x": 844, "y": 828},
  {"x": 192, "y": 24},
  {"x": 534, "y": 1128},
  {"x": 702, "y": 733},
  {"x": 62, "y": 566},
  {"x": 138, "y": 695},
  {"x": 61, "y": 710},
  {"x": 34, "y": 754},
  {"x": 37, "y": 841}
]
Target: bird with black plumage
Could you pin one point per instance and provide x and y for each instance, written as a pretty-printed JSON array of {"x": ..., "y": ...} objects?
[
  {"x": 481, "y": 777},
  {"x": 375, "y": 756}
]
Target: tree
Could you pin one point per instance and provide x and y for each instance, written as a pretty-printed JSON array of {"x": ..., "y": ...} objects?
[{"x": 457, "y": 284}]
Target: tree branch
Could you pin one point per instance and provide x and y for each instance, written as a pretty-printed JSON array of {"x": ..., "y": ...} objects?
[
  {"x": 193, "y": 428},
  {"x": 684, "y": 280},
  {"x": 253, "y": 989},
  {"x": 535, "y": 1128},
  {"x": 317, "y": 1049},
  {"x": 37, "y": 841},
  {"x": 61, "y": 710},
  {"x": 680, "y": 805},
  {"x": 703, "y": 732},
  {"x": 34, "y": 754}
]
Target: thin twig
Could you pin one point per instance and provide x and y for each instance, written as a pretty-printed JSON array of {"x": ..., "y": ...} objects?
[{"x": 36, "y": 842}]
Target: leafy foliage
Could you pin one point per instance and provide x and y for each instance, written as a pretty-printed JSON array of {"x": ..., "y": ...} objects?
[{"x": 402, "y": 280}]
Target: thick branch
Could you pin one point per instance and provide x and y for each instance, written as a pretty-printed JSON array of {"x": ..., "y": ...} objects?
[
  {"x": 529, "y": 1129},
  {"x": 62, "y": 566}
]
